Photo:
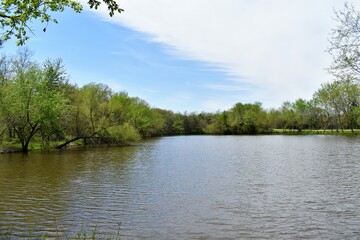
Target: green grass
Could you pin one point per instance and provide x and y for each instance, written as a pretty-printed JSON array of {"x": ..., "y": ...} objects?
[{"x": 35, "y": 145}]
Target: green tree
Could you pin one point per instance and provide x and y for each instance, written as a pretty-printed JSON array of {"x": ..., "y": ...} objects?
[
  {"x": 178, "y": 125},
  {"x": 288, "y": 115},
  {"x": 274, "y": 119},
  {"x": 356, "y": 112},
  {"x": 136, "y": 113},
  {"x": 16, "y": 15},
  {"x": 32, "y": 104},
  {"x": 94, "y": 102},
  {"x": 339, "y": 99},
  {"x": 168, "y": 121},
  {"x": 315, "y": 115},
  {"x": 247, "y": 118},
  {"x": 301, "y": 110},
  {"x": 88, "y": 115},
  {"x": 120, "y": 107},
  {"x": 218, "y": 123},
  {"x": 146, "y": 120},
  {"x": 123, "y": 134}
]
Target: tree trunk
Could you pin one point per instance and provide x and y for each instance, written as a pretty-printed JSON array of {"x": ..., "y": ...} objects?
[
  {"x": 67, "y": 142},
  {"x": 74, "y": 139},
  {"x": 25, "y": 147}
]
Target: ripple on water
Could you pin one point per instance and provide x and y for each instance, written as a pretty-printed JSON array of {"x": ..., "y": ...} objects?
[{"x": 194, "y": 187}]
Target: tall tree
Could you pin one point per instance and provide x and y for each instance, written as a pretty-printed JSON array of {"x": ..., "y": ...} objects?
[
  {"x": 32, "y": 104},
  {"x": 345, "y": 43},
  {"x": 247, "y": 118},
  {"x": 339, "y": 99},
  {"x": 16, "y": 15},
  {"x": 288, "y": 115},
  {"x": 88, "y": 116},
  {"x": 274, "y": 118},
  {"x": 301, "y": 113}
]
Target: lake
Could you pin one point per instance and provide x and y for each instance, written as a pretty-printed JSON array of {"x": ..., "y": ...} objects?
[{"x": 188, "y": 187}]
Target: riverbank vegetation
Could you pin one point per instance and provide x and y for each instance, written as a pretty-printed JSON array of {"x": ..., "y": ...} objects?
[{"x": 39, "y": 104}]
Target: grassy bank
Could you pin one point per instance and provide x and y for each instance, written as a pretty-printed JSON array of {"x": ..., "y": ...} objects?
[{"x": 14, "y": 146}]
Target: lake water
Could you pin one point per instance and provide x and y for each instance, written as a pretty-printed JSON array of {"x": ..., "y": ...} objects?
[{"x": 188, "y": 187}]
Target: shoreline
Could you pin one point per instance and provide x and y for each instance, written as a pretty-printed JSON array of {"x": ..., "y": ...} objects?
[{"x": 8, "y": 148}]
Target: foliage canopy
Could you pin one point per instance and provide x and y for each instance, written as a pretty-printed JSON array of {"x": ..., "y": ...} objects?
[
  {"x": 37, "y": 103},
  {"x": 16, "y": 15}
]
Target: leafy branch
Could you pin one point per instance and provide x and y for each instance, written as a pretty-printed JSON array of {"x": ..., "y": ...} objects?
[{"x": 16, "y": 15}]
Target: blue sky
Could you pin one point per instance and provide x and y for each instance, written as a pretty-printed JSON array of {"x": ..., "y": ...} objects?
[{"x": 195, "y": 55}]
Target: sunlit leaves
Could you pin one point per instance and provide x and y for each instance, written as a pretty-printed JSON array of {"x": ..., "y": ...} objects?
[
  {"x": 16, "y": 16},
  {"x": 31, "y": 103},
  {"x": 338, "y": 99},
  {"x": 111, "y": 5}
]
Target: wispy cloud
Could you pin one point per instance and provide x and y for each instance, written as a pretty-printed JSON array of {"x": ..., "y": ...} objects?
[{"x": 277, "y": 45}]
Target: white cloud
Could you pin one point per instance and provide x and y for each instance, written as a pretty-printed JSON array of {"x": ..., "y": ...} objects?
[{"x": 277, "y": 45}]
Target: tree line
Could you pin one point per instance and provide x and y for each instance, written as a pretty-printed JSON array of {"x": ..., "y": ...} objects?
[{"x": 38, "y": 103}]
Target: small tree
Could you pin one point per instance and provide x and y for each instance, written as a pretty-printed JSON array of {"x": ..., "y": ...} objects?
[{"x": 288, "y": 115}]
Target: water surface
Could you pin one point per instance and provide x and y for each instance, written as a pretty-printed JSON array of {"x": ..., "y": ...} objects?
[{"x": 190, "y": 187}]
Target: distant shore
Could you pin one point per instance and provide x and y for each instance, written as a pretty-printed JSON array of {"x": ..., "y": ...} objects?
[{"x": 316, "y": 132}]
